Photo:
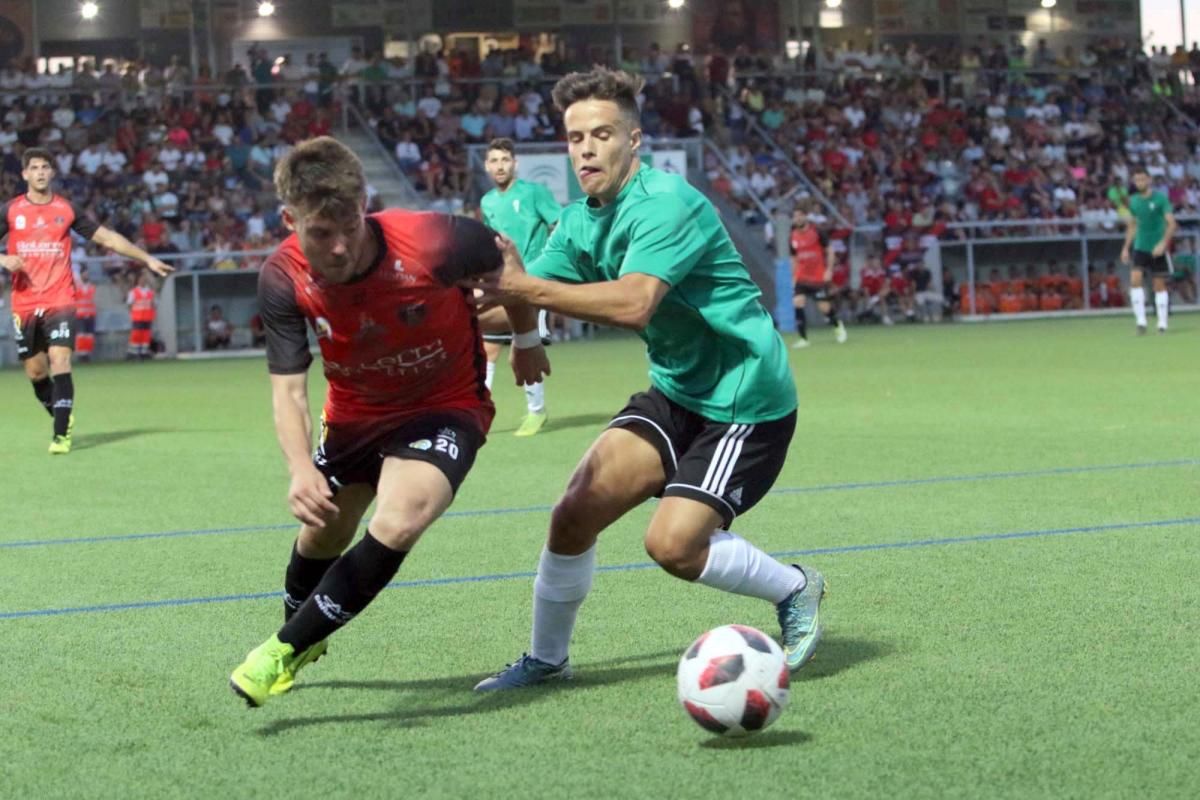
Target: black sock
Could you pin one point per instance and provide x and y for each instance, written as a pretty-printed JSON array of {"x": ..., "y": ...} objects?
[
  {"x": 64, "y": 401},
  {"x": 44, "y": 389},
  {"x": 832, "y": 317},
  {"x": 346, "y": 589},
  {"x": 303, "y": 575},
  {"x": 801, "y": 323}
]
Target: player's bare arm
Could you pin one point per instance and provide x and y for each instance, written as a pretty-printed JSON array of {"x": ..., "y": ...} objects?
[
  {"x": 1168, "y": 235},
  {"x": 1130, "y": 232},
  {"x": 106, "y": 237},
  {"x": 527, "y": 356},
  {"x": 628, "y": 302},
  {"x": 309, "y": 495},
  {"x": 12, "y": 263}
]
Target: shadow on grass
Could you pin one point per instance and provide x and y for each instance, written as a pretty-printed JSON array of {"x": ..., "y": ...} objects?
[
  {"x": 762, "y": 740},
  {"x": 837, "y": 654},
  {"x": 462, "y": 700},
  {"x": 555, "y": 424},
  {"x": 84, "y": 441}
]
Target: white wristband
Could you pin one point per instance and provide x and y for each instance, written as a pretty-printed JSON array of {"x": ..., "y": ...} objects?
[{"x": 527, "y": 340}]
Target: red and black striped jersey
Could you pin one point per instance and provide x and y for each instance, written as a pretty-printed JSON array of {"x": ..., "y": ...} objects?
[{"x": 402, "y": 339}]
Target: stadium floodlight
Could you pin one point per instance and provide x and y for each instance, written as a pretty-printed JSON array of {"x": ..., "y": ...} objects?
[
  {"x": 266, "y": 8},
  {"x": 89, "y": 10},
  {"x": 1049, "y": 3},
  {"x": 675, "y": 5},
  {"x": 833, "y": 3}
]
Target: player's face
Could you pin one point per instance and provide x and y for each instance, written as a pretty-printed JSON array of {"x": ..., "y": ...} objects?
[
  {"x": 501, "y": 167},
  {"x": 38, "y": 174},
  {"x": 603, "y": 143},
  {"x": 333, "y": 247},
  {"x": 1141, "y": 181}
]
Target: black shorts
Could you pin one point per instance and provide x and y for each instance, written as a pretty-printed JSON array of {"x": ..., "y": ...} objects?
[
  {"x": 447, "y": 440},
  {"x": 42, "y": 329},
  {"x": 727, "y": 466},
  {"x": 1158, "y": 265},
  {"x": 817, "y": 291},
  {"x": 86, "y": 325}
]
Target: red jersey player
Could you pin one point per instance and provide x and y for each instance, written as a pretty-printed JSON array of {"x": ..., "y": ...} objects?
[
  {"x": 38, "y": 225},
  {"x": 407, "y": 407},
  {"x": 812, "y": 269}
]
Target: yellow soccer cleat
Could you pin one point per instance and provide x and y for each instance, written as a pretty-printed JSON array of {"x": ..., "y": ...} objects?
[
  {"x": 288, "y": 677},
  {"x": 60, "y": 445},
  {"x": 532, "y": 423},
  {"x": 255, "y": 677}
]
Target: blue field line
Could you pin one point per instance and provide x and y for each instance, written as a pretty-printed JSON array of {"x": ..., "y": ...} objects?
[
  {"x": 507, "y": 576},
  {"x": 488, "y": 512}
]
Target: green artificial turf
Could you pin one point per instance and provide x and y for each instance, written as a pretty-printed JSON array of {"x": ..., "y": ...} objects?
[{"x": 960, "y": 660}]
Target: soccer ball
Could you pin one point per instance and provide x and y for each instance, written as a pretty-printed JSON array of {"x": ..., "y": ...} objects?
[{"x": 733, "y": 681}]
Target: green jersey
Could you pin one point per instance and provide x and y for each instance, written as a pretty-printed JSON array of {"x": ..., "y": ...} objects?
[
  {"x": 1150, "y": 213},
  {"x": 523, "y": 213},
  {"x": 712, "y": 347}
]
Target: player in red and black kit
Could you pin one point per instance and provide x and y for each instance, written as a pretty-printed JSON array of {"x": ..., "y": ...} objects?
[
  {"x": 812, "y": 272},
  {"x": 407, "y": 407},
  {"x": 38, "y": 225}
]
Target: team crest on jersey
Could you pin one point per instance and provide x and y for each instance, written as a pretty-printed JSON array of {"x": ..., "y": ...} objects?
[
  {"x": 324, "y": 329},
  {"x": 413, "y": 314},
  {"x": 60, "y": 220},
  {"x": 19, "y": 222},
  {"x": 367, "y": 327}
]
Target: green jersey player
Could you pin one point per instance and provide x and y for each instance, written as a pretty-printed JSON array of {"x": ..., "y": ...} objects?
[
  {"x": 1148, "y": 232},
  {"x": 524, "y": 212},
  {"x": 647, "y": 252}
]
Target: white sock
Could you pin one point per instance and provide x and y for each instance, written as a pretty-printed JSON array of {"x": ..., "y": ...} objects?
[
  {"x": 491, "y": 373},
  {"x": 734, "y": 565},
  {"x": 1162, "y": 304},
  {"x": 535, "y": 398},
  {"x": 544, "y": 324},
  {"x": 1137, "y": 298},
  {"x": 558, "y": 591}
]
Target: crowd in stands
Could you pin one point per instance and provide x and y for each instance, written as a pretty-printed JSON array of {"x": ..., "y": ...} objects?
[{"x": 923, "y": 144}]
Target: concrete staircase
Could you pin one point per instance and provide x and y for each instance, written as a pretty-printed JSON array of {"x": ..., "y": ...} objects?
[{"x": 382, "y": 171}]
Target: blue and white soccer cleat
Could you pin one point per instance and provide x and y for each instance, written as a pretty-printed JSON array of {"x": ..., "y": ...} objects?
[
  {"x": 800, "y": 619},
  {"x": 525, "y": 671}
]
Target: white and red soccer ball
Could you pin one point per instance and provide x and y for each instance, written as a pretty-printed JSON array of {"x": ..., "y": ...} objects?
[{"x": 733, "y": 681}]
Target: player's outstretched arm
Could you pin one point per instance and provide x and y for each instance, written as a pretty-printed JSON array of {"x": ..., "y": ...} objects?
[
  {"x": 309, "y": 496},
  {"x": 106, "y": 237},
  {"x": 628, "y": 302}
]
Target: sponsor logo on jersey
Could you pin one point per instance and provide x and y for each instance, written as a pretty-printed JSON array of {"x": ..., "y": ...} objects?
[
  {"x": 735, "y": 496},
  {"x": 407, "y": 362},
  {"x": 19, "y": 222},
  {"x": 324, "y": 329},
  {"x": 517, "y": 206}
]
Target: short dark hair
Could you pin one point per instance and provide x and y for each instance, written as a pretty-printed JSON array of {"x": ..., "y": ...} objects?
[
  {"x": 1140, "y": 169},
  {"x": 503, "y": 143},
  {"x": 601, "y": 83},
  {"x": 36, "y": 152}
]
